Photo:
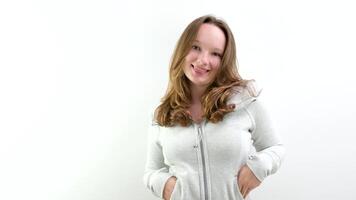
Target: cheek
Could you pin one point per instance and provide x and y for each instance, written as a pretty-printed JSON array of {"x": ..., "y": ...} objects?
[
  {"x": 215, "y": 63},
  {"x": 191, "y": 57}
]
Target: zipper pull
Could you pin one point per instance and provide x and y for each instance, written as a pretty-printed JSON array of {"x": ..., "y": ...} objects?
[{"x": 199, "y": 136}]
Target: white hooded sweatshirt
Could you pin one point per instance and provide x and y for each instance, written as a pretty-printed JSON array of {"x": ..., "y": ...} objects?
[{"x": 206, "y": 157}]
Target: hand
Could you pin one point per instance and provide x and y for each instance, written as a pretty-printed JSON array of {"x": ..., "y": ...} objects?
[
  {"x": 247, "y": 181},
  {"x": 168, "y": 187}
]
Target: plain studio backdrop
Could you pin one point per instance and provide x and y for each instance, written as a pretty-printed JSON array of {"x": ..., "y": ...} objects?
[{"x": 79, "y": 78}]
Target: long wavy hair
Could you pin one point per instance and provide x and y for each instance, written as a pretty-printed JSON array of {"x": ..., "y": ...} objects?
[{"x": 174, "y": 105}]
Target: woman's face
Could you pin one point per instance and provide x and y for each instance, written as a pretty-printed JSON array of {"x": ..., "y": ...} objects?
[{"x": 204, "y": 58}]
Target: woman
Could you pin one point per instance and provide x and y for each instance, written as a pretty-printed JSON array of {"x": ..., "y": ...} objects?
[{"x": 211, "y": 137}]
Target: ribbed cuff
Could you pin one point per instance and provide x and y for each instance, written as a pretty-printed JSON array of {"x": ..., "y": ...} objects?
[
  {"x": 260, "y": 164},
  {"x": 159, "y": 182}
]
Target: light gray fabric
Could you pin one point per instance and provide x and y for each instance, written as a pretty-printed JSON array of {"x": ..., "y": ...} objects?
[{"x": 207, "y": 160}]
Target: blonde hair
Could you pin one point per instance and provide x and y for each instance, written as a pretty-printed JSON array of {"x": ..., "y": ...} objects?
[{"x": 175, "y": 103}]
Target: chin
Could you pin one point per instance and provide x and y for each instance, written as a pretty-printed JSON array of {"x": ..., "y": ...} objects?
[{"x": 199, "y": 83}]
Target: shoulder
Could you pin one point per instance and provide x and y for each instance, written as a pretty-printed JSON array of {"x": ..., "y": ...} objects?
[{"x": 245, "y": 94}]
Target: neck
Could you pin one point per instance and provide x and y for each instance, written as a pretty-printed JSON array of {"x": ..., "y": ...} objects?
[{"x": 197, "y": 92}]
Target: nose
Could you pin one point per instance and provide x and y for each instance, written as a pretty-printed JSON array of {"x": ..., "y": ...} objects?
[{"x": 203, "y": 58}]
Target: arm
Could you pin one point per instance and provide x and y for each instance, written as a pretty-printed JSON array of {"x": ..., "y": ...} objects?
[
  {"x": 269, "y": 149},
  {"x": 156, "y": 171}
]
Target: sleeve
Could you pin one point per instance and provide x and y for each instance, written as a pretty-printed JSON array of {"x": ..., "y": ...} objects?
[
  {"x": 156, "y": 172},
  {"x": 270, "y": 151}
]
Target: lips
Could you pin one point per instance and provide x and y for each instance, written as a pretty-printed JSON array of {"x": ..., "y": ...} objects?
[{"x": 199, "y": 70}]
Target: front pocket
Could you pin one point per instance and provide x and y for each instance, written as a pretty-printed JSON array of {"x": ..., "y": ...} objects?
[
  {"x": 176, "y": 193},
  {"x": 237, "y": 190}
]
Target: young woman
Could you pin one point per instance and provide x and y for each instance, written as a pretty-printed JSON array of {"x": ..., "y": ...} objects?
[{"x": 211, "y": 138}]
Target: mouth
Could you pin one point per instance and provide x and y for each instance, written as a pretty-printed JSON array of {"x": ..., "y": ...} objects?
[{"x": 198, "y": 70}]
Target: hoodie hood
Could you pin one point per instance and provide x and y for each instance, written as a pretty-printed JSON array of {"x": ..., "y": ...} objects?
[{"x": 245, "y": 95}]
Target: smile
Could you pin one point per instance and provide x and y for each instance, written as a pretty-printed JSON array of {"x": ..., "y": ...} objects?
[{"x": 198, "y": 70}]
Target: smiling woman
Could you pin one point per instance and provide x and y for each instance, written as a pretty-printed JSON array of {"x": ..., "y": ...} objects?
[{"x": 211, "y": 136}]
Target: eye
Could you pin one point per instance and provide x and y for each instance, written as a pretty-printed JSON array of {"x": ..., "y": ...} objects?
[
  {"x": 195, "y": 47},
  {"x": 217, "y": 54}
]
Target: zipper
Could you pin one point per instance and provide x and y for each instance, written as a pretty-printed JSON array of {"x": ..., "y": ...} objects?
[{"x": 200, "y": 134}]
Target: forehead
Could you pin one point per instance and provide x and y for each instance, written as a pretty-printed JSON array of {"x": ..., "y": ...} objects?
[{"x": 211, "y": 36}]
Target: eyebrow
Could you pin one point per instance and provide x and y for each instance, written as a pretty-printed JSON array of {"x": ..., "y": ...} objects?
[{"x": 215, "y": 49}]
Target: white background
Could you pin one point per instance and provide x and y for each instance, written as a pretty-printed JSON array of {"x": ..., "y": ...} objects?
[{"x": 78, "y": 79}]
